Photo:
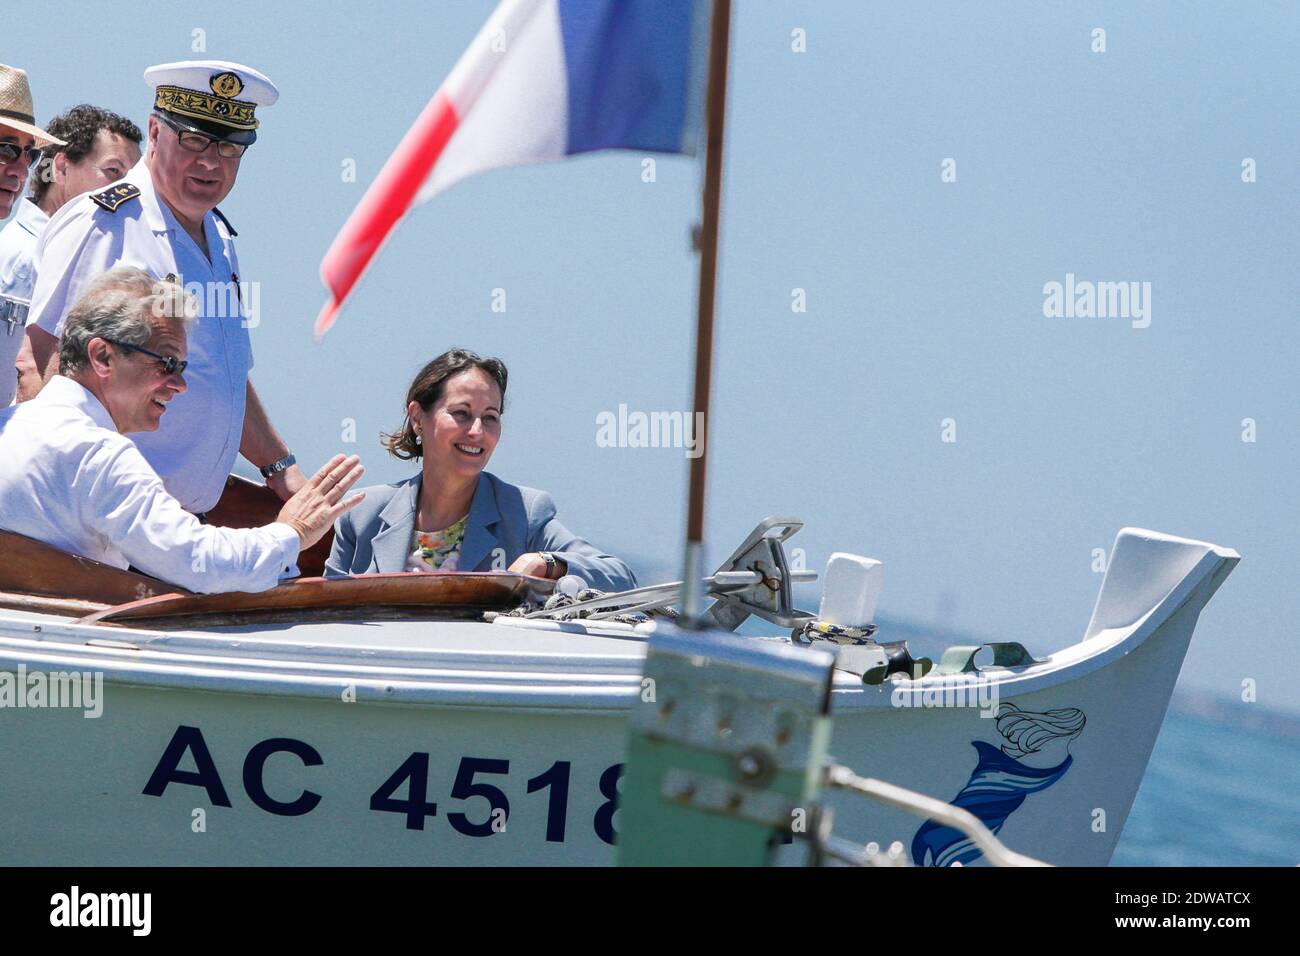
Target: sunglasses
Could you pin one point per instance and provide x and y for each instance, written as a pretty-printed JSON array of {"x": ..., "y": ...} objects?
[
  {"x": 170, "y": 364},
  {"x": 11, "y": 151},
  {"x": 198, "y": 142}
]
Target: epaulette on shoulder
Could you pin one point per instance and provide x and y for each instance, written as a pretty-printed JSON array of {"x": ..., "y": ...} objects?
[
  {"x": 222, "y": 216},
  {"x": 113, "y": 197}
]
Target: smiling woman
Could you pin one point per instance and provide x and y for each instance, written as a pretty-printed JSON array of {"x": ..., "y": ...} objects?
[{"x": 453, "y": 515}]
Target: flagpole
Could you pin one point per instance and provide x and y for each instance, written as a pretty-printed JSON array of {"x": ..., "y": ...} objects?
[{"x": 715, "y": 113}]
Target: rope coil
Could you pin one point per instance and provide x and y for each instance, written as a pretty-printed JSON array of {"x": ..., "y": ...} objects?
[
  {"x": 559, "y": 600},
  {"x": 835, "y": 633}
]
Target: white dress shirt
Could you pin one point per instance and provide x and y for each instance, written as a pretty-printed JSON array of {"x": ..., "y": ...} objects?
[
  {"x": 17, "y": 276},
  {"x": 68, "y": 478},
  {"x": 195, "y": 447}
]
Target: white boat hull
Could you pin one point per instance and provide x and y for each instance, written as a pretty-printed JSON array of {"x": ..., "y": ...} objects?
[{"x": 281, "y": 738}]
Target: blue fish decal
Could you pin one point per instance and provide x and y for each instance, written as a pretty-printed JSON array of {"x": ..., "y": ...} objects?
[{"x": 1000, "y": 782}]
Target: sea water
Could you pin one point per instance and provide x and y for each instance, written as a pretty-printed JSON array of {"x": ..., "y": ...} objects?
[{"x": 1218, "y": 792}]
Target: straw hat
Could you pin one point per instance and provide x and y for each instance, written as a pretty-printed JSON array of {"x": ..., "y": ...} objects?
[{"x": 16, "y": 110}]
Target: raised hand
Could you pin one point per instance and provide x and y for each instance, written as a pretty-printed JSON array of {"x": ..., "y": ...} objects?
[{"x": 313, "y": 510}]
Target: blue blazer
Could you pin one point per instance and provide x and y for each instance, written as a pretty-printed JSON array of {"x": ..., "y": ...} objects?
[{"x": 375, "y": 536}]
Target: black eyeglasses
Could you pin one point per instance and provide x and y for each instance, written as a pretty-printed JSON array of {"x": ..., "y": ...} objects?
[
  {"x": 168, "y": 363},
  {"x": 11, "y": 151},
  {"x": 199, "y": 142}
]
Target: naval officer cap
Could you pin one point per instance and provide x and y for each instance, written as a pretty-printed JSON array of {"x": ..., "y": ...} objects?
[{"x": 213, "y": 97}]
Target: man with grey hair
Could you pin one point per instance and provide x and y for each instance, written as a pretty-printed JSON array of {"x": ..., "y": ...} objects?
[{"x": 71, "y": 478}]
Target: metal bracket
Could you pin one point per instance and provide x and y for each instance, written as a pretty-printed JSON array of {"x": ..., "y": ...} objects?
[
  {"x": 729, "y": 799},
  {"x": 771, "y": 598},
  {"x": 756, "y": 579},
  {"x": 724, "y": 750},
  {"x": 961, "y": 660}
]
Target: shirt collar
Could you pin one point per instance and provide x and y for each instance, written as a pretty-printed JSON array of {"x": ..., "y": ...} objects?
[
  {"x": 156, "y": 212},
  {"x": 61, "y": 390},
  {"x": 31, "y": 217}
]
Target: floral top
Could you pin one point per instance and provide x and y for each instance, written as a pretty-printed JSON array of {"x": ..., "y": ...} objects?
[{"x": 437, "y": 550}]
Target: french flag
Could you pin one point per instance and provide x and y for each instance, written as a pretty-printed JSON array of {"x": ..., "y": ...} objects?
[{"x": 544, "y": 79}]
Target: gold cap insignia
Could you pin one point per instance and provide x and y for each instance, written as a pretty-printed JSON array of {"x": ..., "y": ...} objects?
[
  {"x": 226, "y": 84},
  {"x": 236, "y": 114}
]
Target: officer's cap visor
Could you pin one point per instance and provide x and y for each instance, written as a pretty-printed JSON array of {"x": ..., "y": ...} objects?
[{"x": 244, "y": 137}]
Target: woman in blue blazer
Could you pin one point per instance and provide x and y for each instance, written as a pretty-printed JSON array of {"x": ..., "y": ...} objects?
[{"x": 453, "y": 515}]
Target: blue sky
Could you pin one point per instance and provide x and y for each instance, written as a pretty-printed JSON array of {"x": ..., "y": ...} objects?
[{"x": 924, "y": 298}]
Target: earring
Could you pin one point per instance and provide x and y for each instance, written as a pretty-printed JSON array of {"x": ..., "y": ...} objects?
[{"x": 419, "y": 439}]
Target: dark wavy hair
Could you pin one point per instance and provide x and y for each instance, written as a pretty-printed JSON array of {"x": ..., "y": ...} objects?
[
  {"x": 428, "y": 388},
  {"x": 78, "y": 127}
]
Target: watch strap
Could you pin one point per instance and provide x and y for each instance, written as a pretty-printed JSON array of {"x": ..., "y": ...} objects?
[{"x": 276, "y": 467}]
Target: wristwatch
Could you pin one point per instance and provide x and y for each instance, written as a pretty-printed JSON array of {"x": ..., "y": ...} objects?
[
  {"x": 276, "y": 467},
  {"x": 550, "y": 562}
]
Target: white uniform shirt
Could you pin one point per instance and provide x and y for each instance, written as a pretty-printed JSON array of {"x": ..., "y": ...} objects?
[
  {"x": 198, "y": 440},
  {"x": 17, "y": 276},
  {"x": 68, "y": 478}
]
